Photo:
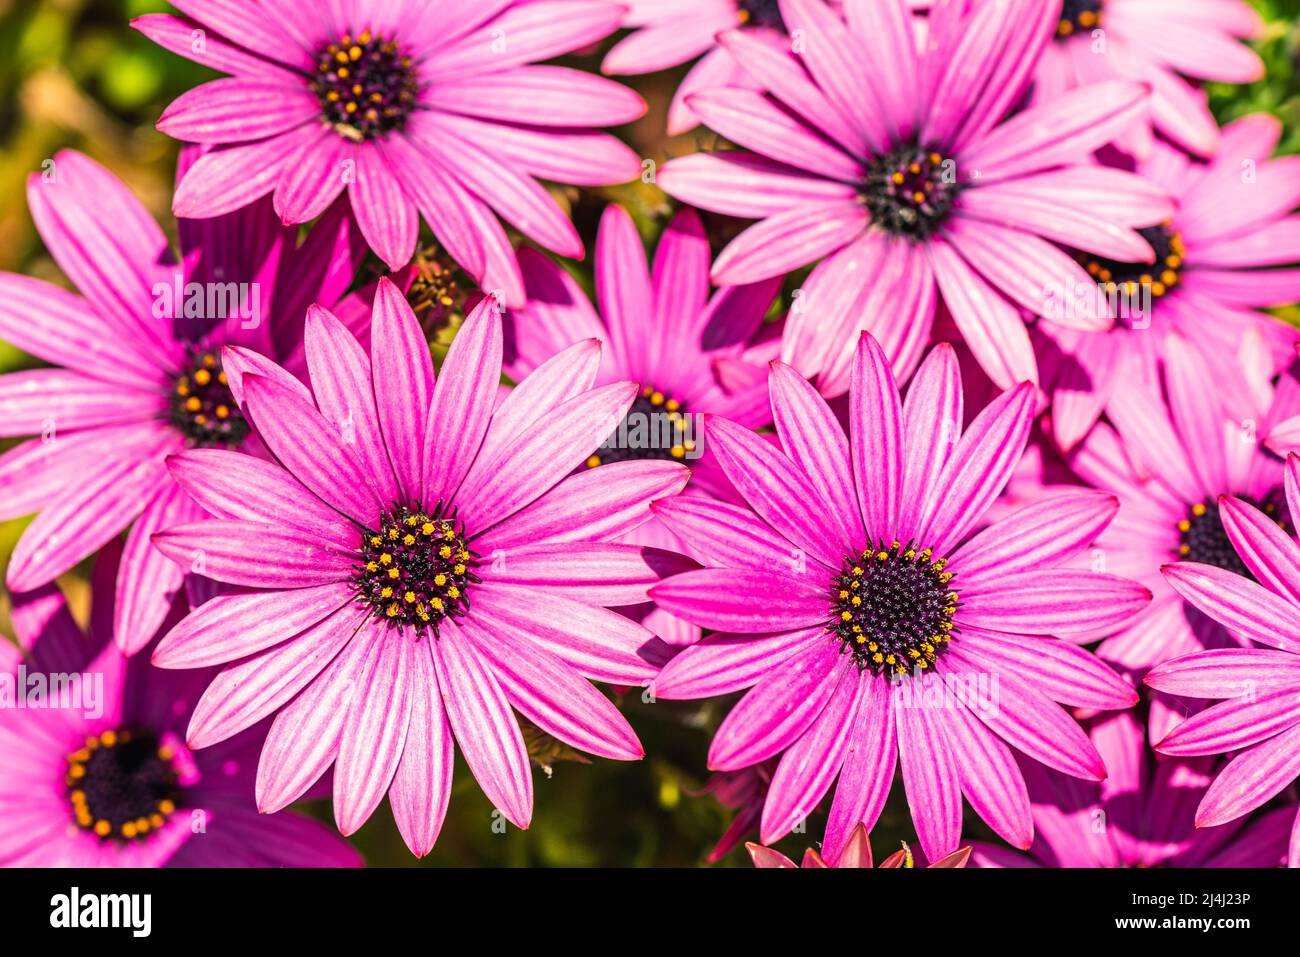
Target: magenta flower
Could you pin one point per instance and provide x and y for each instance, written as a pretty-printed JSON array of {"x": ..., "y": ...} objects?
[
  {"x": 1184, "y": 450},
  {"x": 1259, "y": 686},
  {"x": 1215, "y": 268},
  {"x": 856, "y": 604},
  {"x": 1161, "y": 44},
  {"x": 669, "y": 32},
  {"x": 417, "y": 565},
  {"x": 894, "y": 169},
  {"x": 1140, "y": 816},
  {"x": 856, "y": 854},
  {"x": 138, "y": 372},
  {"x": 97, "y": 775},
  {"x": 690, "y": 351},
  {"x": 419, "y": 108},
  {"x": 744, "y": 792}
]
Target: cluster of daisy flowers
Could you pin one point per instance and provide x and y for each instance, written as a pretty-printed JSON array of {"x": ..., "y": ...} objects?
[{"x": 943, "y": 441}]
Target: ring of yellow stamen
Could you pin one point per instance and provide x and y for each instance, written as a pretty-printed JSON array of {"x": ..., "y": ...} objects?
[
  {"x": 122, "y": 785},
  {"x": 365, "y": 86},
  {"x": 415, "y": 569},
  {"x": 893, "y": 608}
]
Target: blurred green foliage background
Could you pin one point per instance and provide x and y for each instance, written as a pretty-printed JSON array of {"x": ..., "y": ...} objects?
[{"x": 74, "y": 74}]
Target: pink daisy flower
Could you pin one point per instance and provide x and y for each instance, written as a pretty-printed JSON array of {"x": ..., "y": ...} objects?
[
  {"x": 895, "y": 170},
  {"x": 1215, "y": 266},
  {"x": 1140, "y": 816},
  {"x": 415, "y": 566},
  {"x": 137, "y": 367},
  {"x": 98, "y": 775},
  {"x": 428, "y": 109},
  {"x": 856, "y": 604},
  {"x": 856, "y": 853},
  {"x": 671, "y": 32},
  {"x": 1184, "y": 451},
  {"x": 1159, "y": 42},
  {"x": 1257, "y": 715},
  {"x": 692, "y": 351}
]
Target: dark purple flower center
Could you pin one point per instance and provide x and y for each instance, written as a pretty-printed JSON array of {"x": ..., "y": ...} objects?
[
  {"x": 415, "y": 570},
  {"x": 762, "y": 13},
  {"x": 122, "y": 785},
  {"x": 201, "y": 406},
  {"x": 1130, "y": 278},
  {"x": 1201, "y": 536},
  {"x": 892, "y": 609},
  {"x": 655, "y": 427},
  {"x": 1078, "y": 15},
  {"x": 365, "y": 85},
  {"x": 909, "y": 191}
]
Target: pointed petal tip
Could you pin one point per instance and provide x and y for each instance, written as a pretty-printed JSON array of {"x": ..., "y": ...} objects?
[
  {"x": 346, "y": 828},
  {"x": 162, "y": 657},
  {"x": 523, "y": 822},
  {"x": 19, "y": 577},
  {"x": 1210, "y": 817},
  {"x": 770, "y": 835},
  {"x": 717, "y": 758},
  {"x": 961, "y": 856}
]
